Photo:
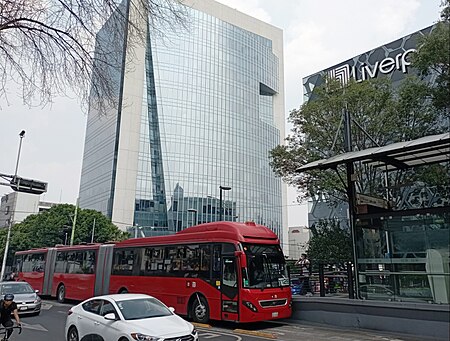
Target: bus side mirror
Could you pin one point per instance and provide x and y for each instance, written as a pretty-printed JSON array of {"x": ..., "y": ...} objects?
[{"x": 241, "y": 255}]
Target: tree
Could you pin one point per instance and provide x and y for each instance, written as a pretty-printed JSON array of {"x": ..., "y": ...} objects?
[
  {"x": 433, "y": 56},
  {"x": 381, "y": 116},
  {"x": 47, "y": 47},
  {"x": 48, "y": 228},
  {"x": 329, "y": 243}
]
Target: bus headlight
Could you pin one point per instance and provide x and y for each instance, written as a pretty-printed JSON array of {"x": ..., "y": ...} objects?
[{"x": 250, "y": 306}]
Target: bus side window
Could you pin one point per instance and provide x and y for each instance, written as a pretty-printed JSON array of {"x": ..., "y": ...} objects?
[
  {"x": 89, "y": 262},
  {"x": 217, "y": 250},
  {"x": 18, "y": 263},
  {"x": 38, "y": 262},
  {"x": 123, "y": 262},
  {"x": 61, "y": 262}
]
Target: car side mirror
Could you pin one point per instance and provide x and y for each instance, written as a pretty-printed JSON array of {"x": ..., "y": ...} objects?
[
  {"x": 172, "y": 309},
  {"x": 36, "y": 291},
  {"x": 110, "y": 316}
]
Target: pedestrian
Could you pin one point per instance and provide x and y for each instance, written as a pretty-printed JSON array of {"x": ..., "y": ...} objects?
[
  {"x": 12, "y": 276},
  {"x": 305, "y": 272},
  {"x": 8, "y": 307}
]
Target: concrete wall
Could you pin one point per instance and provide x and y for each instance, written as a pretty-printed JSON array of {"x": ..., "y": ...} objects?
[{"x": 418, "y": 319}]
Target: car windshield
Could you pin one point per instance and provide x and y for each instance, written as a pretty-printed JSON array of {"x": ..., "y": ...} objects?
[
  {"x": 266, "y": 267},
  {"x": 142, "y": 308},
  {"x": 16, "y": 288}
]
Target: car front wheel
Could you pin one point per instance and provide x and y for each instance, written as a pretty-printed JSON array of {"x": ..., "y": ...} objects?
[{"x": 73, "y": 334}]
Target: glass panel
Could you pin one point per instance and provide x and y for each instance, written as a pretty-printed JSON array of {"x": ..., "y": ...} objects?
[
  {"x": 229, "y": 273},
  {"x": 405, "y": 258},
  {"x": 266, "y": 266}
]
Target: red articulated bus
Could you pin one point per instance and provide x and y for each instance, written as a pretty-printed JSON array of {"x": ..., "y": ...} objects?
[
  {"x": 65, "y": 272},
  {"x": 221, "y": 271}
]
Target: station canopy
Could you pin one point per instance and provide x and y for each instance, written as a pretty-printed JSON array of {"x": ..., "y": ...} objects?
[{"x": 401, "y": 155}]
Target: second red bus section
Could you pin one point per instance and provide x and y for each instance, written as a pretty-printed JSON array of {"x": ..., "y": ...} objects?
[{"x": 222, "y": 271}]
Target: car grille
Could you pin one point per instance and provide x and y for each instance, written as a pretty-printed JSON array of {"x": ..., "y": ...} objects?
[
  {"x": 181, "y": 338},
  {"x": 273, "y": 303}
]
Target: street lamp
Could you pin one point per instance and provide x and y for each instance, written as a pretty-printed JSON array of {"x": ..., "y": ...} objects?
[
  {"x": 193, "y": 210},
  {"x": 2, "y": 273},
  {"x": 21, "y": 135},
  {"x": 222, "y": 188}
]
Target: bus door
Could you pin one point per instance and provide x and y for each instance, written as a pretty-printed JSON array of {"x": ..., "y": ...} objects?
[{"x": 229, "y": 289}]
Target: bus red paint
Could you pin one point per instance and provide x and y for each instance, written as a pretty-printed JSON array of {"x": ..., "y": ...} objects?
[{"x": 221, "y": 271}]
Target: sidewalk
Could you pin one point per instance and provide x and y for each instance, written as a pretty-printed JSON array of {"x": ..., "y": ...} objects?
[{"x": 414, "y": 321}]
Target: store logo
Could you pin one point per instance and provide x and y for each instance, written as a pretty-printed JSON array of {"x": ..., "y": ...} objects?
[
  {"x": 341, "y": 73},
  {"x": 386, "y": 66}
]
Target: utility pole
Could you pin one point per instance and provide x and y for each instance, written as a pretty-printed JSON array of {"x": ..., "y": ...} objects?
[
  {"x": 74, "y": 223},
  {"x": 93, "y": 230},
  {"x": 351, "y": 194},
  {"x": 5, "y": 255}
]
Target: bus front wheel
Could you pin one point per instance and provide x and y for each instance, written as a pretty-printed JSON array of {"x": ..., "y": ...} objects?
[
  {"x": 61, "y": 294},
  {"x": 200, "y": 310}
]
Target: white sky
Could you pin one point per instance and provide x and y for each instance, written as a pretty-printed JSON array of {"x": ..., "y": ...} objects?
[{"x": 317, "y": 34}]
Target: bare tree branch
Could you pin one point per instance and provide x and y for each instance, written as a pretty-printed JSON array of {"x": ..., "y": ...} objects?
[{"x": 49, "y": 47}]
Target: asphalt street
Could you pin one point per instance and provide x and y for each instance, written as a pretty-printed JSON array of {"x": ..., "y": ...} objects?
[{"x": 49, "y": 326}]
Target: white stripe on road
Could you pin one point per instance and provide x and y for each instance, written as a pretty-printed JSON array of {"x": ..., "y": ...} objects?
[
  {"x": 213, "y": 335},
  {"x": 208, "y": 335},
  {"x": 34, "y": 327}
]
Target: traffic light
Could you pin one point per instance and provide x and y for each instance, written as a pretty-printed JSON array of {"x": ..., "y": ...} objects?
[{"x": 19, "y": 184}]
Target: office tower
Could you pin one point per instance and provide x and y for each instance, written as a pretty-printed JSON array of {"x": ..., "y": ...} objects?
[{"x": 200, "y": 109}]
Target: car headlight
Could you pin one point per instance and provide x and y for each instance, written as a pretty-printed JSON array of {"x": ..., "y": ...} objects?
[
  {"x": 37, "y": 300},
  {"x": 143, "y": 337}
]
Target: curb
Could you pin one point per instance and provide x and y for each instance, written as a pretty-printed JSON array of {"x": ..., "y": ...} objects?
[
  {"x": 201, "y": 325},
  {"x": 256, "y": 333}
]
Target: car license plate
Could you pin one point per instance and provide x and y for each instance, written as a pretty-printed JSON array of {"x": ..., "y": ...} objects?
[
  {"x": 23, "y": 308},
  {"x": 275, "y": 314}
]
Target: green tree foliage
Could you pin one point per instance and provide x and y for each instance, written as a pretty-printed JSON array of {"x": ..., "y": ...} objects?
[
  {"x": 329, "y": 243},
  {"x": 49, "y": 228},
  {"x": 384, "y": 116},
  {"x": 433, "y": 56}
]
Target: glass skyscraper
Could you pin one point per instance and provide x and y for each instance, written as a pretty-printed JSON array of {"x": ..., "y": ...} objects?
[{"x": 201, "y": 107}]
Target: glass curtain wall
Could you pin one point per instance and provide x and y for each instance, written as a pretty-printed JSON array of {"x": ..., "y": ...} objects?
[{"x": 208, "y": 121}]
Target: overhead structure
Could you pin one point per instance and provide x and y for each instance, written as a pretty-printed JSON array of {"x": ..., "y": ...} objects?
[{"x": 401, "y": 155}]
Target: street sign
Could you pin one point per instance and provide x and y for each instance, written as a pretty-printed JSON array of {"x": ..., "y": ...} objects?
[
  {"x": 19, "y": 184},
  {"x": 362, "y": 199}
]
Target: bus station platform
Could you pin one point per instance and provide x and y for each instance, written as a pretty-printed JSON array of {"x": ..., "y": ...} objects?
[{"x": 431, "y": 321}]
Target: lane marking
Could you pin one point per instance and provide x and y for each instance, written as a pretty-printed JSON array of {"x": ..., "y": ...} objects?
[
  {"x": 34, "y": 327},
  {"x": 238, "y": 338},
  {"x": 46, "y": 306},
  {"x": 208, "y": 335}
]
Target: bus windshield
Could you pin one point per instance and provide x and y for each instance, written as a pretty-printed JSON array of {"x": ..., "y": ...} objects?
[{"x": 266, "y": 267}]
